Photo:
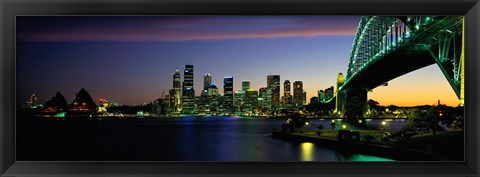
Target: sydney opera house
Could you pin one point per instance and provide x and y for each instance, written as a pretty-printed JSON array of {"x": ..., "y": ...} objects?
[{"x": 82, "y": 105}]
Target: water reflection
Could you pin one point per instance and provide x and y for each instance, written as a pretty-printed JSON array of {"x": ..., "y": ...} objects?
[
  {"x": 306, "y": 150},
  {"x": 187, "y": 139},
  {"x": 366, "y": 158}
]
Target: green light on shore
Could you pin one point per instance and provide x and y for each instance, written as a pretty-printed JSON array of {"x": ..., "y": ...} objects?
[{"x": 60, "y": 114}]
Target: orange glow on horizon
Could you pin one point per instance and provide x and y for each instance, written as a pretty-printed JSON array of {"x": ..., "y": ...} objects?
[{"x": 424, "y": 86}]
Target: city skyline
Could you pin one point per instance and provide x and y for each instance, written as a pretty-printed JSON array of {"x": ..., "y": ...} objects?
[{"x": 124, "y": 61}]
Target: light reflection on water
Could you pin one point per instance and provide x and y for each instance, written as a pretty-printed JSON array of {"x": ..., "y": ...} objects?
[
  {"x": 367, "y": 158},
  {"x": 244, "y": 139},
  {"x": 307, "y": 152},
  {"x": 214, "y": 139}
]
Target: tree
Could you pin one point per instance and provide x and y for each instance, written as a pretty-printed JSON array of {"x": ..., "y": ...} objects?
[
  {"x": 374, "y": 108},
  {"x": 333, "y": 125},
  {"x": 426, "y": 119},
  {"x": 320, "y": 129},
  {"x": 372, "y": 103},
  {"x": 296, "y": 122}
]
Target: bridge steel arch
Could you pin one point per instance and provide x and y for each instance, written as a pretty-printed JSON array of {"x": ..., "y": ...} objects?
[{"x": 386, "y": 47}]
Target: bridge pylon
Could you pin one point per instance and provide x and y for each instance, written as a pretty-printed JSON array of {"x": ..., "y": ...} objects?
[
  {"x": 355, "y": 103},
  {"x": 340, "y": 96}
]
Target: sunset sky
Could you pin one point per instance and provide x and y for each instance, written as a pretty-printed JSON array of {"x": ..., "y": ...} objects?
[{"x": 131, "y": 59}]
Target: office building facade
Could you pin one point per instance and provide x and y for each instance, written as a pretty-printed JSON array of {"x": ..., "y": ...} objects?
[
  {"x": 188, "y": 93},
  {"x": 228, "y": 94},
  {"x": 287, "y": 94},
  {"x": 298, "y": 93},
  {"x": 273, "y": 84}
]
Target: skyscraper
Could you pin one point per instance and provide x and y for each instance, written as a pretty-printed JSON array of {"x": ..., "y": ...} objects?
[
  {"x": 212, "y": 98},
  {"x": 286, "y": 94},
  {"x": 329, "y": 93},
  {"x": 245, "y": 85},
  {"x": 207, "y": 80},
  {"x": 228, "y": 94},
  {"x": 177, "y": 95},
  {"x": 298, "y": 93},
  {"x": 273, "y": 83},
  {"x": 251, "y": 100},
  {"x": 264, "y": 98},
  {"x": 321, "y": 95},
  {"x": 171, "y": 101},
  {"x": 188, "y": 95},
  {"x": 238, "y": 101}
]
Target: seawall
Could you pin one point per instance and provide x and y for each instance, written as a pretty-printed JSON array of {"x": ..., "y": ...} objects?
[{"x": 401, "y": 154}]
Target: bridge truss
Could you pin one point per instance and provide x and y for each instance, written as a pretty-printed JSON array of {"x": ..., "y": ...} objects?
[{"x": 440, "y": 37}]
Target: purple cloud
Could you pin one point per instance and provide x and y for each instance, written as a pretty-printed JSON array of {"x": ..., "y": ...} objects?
[{"x": 181, "y": 28}]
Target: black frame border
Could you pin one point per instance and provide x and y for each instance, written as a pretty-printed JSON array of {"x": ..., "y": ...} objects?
[{"x": 10, "y": 8}]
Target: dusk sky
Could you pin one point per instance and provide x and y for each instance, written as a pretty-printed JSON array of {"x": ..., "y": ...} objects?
[{"x": 131, "y": 59}]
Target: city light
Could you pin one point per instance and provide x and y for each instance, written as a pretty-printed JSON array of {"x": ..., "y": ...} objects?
[{"x": 346, "y": 102}]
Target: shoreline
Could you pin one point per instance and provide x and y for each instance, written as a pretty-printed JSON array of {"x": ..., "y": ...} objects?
[{"x": 360, "y": 147}]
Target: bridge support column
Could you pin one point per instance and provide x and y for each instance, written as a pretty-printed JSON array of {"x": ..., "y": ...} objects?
[
  {"x": 356, "y": 103},
  {"x": 340, "y": 104}
]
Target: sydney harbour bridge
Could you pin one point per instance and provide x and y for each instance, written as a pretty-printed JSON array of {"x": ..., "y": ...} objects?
[{"x": 386, "y": 47}]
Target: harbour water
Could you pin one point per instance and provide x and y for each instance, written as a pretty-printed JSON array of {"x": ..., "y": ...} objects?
[{"x": 173, "y": 139}]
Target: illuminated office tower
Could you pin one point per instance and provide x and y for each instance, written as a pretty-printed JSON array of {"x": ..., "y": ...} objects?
[
  {"x": 273, "y": 84},
  {"x": 201, "y": 103},
  {"x": 298, "y": 93},
  {"x": 321, "y": 96},
  {"x": 188, "y": 95},
  {"x": 329, "y": 93},
  {"x": 228, "y": 94},
  {"x": 177, "y": 92},
  {"x": 251, "y": 100},
  {"x": 212, "y": 91},
  {"x": 238, "y": 101},
  {"x": 170, "y": 101},
  {"x": 207, "y": 80},
  {"x": 245, "y": 85},
  {"x": 287, "y": 97},
  {"x": 264, "y": 98}
]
